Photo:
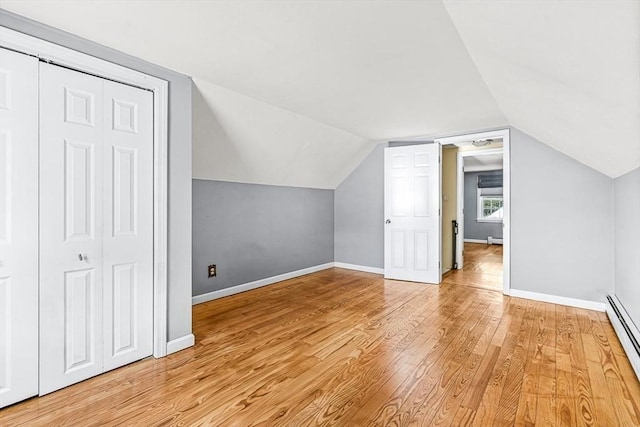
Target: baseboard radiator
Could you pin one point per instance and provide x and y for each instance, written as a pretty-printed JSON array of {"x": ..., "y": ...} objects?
[
  {"x": 494, "y": 240},
  {"x": 627, "y": 332}
]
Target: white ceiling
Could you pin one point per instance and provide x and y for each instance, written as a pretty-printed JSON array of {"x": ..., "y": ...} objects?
[
  {"x": 565, "y": 72},
  {"x": 483, "y": 162},
  {"x": 339, "y": 76}
]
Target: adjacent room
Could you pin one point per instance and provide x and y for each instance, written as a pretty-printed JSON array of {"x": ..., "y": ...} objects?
[
  {"x": 293, "y": 213},
  {"x": 473, "y": 213}
]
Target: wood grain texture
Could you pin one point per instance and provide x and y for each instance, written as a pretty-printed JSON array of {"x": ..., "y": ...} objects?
[
  {"x": 482, "y": 267},
  {"x": 347, "y": 348}
]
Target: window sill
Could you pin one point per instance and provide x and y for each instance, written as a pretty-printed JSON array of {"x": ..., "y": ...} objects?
[{"x": 495, "y": 221}]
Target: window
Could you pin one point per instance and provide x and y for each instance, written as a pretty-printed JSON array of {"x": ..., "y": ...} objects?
[
  {"x": 490, "y": 200},
  {"x": 490, "y": 208}
]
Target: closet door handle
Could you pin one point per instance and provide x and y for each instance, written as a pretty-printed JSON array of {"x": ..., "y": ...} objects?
[{"x": 80, "y": 257}]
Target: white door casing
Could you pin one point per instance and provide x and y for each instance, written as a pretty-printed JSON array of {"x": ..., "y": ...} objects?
[
  {"x": 18, "y": 227},
  {"x": 412, "y": 213},
  {"x": 96, "y": 227},
  {"x": 503, "y": 134}
]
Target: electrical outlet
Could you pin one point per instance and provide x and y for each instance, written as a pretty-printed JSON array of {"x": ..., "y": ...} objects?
[{"x": 211, "y": 270}]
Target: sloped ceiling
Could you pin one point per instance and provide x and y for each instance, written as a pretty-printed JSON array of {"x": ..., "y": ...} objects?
[
  {"x": 565, "y": 72},
  {"x": 237, "y": 138},
  {"x": 294, "y": 93}
]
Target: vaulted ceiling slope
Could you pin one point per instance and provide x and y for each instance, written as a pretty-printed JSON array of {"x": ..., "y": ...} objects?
[
  {"x": 294, "y": 93},
  {"x": 565, "y": 72},
  {"x": 240, "y": 139}
]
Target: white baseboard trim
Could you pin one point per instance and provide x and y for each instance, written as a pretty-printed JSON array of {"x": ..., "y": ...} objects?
[
  {"x": 364, "y": 268},
  {"x": 494, "y": 240},
  {"x": 198, "y": 299},
  {"x": 623, "y": 336},
  {"x": 571, "y": 302},
  {"x": 475, "y": 241},
  {"x": 181, "y": 343}
]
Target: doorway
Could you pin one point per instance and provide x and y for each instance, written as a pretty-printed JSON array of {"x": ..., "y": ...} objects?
[{"x": 476, "y": 210}]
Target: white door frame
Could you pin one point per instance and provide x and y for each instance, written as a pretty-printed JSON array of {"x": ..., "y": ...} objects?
[
  {"x": 506, "y": 221},
  {"x": 69, "y": 58}
]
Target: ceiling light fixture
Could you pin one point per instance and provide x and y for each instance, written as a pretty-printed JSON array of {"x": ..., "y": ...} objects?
[{"x": 482, "y": 142}]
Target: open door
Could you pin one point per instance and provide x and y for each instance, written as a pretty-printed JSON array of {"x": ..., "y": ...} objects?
[{"x": 412, "y": 213}]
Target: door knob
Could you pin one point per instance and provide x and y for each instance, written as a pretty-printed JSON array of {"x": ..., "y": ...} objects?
[
  {"x": 388, "y": 221},
  {"x": 80, "y": 257}
]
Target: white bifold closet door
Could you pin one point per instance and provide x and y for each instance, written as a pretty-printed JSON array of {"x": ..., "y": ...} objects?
[
  {"x": 96, "y": 226},
  {"x": 18, "y": 227}
]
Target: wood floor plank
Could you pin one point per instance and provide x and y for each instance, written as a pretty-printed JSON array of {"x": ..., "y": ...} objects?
[
  {"x": 585, "y": 406},
  {"x": 367, "y": 373},
  {"x": 439, "y": 405},
  {"x": 565, "y": 415},
  {"x": 487, "y": 410},
  {"x": 546, "y": 397},
  {"x": 509, "y": 398},
  {"x": 348, "y": 348},
  {"x": 527, "y": 405},
  {"x": 426, "y": 356}
]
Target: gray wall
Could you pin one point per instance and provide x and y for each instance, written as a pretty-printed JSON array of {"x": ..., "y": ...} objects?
[
  {"x": 359, "y": 213},
  {"x": 627, "y": 242},
  {"x": 179, "y": 252},
  {"x": 568, "y": 250},
  {"x": 472, "y": 228},
  {"x": 252, "y": 231}
]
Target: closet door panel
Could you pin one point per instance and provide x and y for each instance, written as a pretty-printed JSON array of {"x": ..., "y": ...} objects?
[
  {"x": 18, "y": 227},
  {"x": 71, "y": 227},
  {"x": 128, "y": 224}
]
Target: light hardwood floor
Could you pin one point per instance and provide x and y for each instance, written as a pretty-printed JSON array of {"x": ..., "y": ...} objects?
[
  {"x": 347, "y": 348},
  {"x": 482, "y": 267}
]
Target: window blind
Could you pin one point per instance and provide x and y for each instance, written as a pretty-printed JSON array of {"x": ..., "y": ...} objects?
[{"x": 490, "y": 181}]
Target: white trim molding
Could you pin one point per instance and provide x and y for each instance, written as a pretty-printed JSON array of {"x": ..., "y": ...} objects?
[
  {"x": 476, "y": 241},
  {"x": 79, "y": 61},
  {"x": 374, "y": 270},
  {"x": 198, "y": 299},
  {"x": 555, "y": 299},
  {"x": 181, "y": 343}
]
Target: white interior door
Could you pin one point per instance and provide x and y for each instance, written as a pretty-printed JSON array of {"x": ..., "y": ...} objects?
[
  {"x": 18, "y": 227},
  {"x": 412, "y": 213},
  {"x": 128, "y": 224},
  {"x": 96, "y": 238},
  {"x": 71, "y": 218}
]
